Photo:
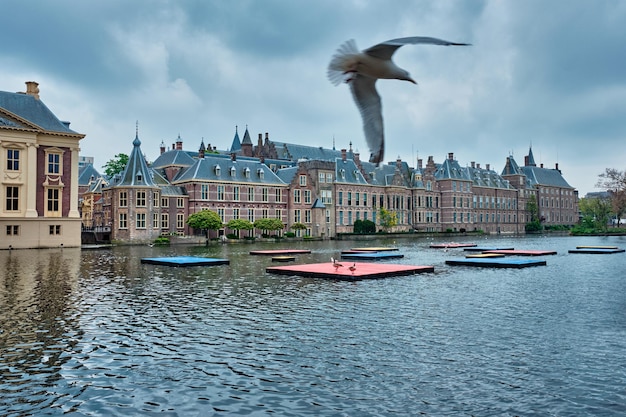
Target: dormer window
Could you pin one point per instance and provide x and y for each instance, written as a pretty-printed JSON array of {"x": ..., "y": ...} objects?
[
  {"x": 139, "y": 177},
  {"x": 218, "y": 170},
  {"x": 246, "y": 172},
  {"x": 233, "y": 171},
  {"x": 342, "y": 174},
  {"x": 261, "y": 173}
]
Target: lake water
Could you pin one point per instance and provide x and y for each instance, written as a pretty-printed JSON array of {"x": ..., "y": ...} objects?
[{"x": 97, "y": 333}]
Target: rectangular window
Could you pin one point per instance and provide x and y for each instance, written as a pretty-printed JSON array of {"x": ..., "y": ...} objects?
[
  {"x": 278, "y": 214},
  {"x": 250, "y": 194},
  {"x": 13, "y": 230},
  {"x": 341, "y": 217},
  {"x": 340, "y": 198},
  {"x": 329, "y": 177},
  {"x": 264, "y": 194},
  {"x": 123, "y": 199},
  {"x": 303, "y": 180},
  {"x": 307, "y": 216},
  {"x": 327, "y": 216},
  {"x": 155, "y": 221},
  {"x": 140, "y": 221},
  {"x": 220, "y": 212},
  {"x": 296, "y": 196},
  {"x": 53, "y": 199},
  {"x": 141, "y": 199},
  {"x": 165, "y": 202},
  {"x": 180, "y": 202},
  {"x": 55, "y": 229},
  {"x": 235, "y": 213},
  {"x": 12, "y": 198},
  {"x": 307, "y": 196},
  {"x": 156, "y": 198},
  {"x": 220, "y": 193},
  {"x": 279, "y": 195},
  {"x": 13, "y": 160},
  {"x": 358, "y": 198},
  {"x": 236, "y": 193},
  {"x": 165, "y": 221},
  {"x": 297, "y": 216},
  {"x": 251, "y": 215},
  {"x": 327, "y": 196},
  {"x": 54, "y": 163},
  {"x": 123, "y": 221},
  {"x": 321, "y": 177},
  {"x": 204, "y": 192},
  {"x": 180, "y": 221}
]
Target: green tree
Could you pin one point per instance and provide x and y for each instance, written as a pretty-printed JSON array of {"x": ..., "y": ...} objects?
[
  {"x": 240, "y": 224},
  {"x": 534, "y": 225},
  {"x": 298, "y": 226},
  {"x": 268, "y": 224},
  {"x": 205, "y": 220},
  {"x": 614, "y": 181},
  {"x": 116, "y": 165},
  {"x": 388, "y": 219},
  {"x": 596, "y": 212}
]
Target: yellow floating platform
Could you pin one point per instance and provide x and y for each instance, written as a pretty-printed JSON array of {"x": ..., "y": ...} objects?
[
  {"x": 597, "y": 247},
  {"x": 486, "y": 255}
]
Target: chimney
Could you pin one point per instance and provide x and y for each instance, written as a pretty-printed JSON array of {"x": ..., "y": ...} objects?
[
  {"x": 487, "y": 167},
  {"x": 260, "y": 144},
  {"x": 451, "y": 156},
  {"x": 233, "y": 156},
  {"x": 179, "y": 144},
  {"x": 32, "y": 89},
  {"x": 267, "y": 138},
  {"x": 162, "y": 148},
  {"x": 556, "y": 166},
  {"x": 419, "y": 163},
  {"x": 526, "y": 161},
  {"x": 473, "y": 164},
  {"x": 173, "y": 146},
  {"x": 398, "y": 162},
  {"x": 541, "y": 166},
  {"x": 357, "y": 158},
  {"x": 478, "y": 166},
  {"x": 343, "y": 154}
]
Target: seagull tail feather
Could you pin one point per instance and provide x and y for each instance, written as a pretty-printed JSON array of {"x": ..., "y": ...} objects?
[{"x": 341, "y": 62}]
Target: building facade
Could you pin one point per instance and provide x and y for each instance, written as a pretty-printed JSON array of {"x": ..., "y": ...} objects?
[
  {"x": 327, "y": 191},
  {"x": 39, "y": 174}
]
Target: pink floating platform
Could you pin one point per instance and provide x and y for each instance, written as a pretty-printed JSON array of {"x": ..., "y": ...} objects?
[
  {"x": 522, "y": 252},
  {"x": 350, "y": 271},
  {"x": 279, "y": 252},
  {"x": 452, "y": 245}
]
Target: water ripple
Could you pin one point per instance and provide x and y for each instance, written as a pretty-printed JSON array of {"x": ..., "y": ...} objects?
[{"x": 97, "y": 333}]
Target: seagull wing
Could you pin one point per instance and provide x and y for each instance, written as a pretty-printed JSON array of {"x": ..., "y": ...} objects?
[
  {"x": 385, "y": 50},
  {"x": 368, "y": 101}
]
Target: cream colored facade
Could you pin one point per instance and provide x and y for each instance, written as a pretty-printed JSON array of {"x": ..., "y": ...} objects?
[{"x": 38, "y": 175}]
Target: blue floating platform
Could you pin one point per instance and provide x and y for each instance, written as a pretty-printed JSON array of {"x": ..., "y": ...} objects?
[
  {"x": 596, "y": 250},
  {"x": 483, "y": 249},
  {"x": 371, "y": 255},
  {"x": 184, "y": 261},
  {"x": 496, "y": 262}
]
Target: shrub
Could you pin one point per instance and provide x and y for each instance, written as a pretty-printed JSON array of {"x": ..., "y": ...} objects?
[{"x": 162, "y": 241}]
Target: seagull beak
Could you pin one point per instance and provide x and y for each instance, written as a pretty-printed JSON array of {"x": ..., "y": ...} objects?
[{"x": 411, "y": 80}]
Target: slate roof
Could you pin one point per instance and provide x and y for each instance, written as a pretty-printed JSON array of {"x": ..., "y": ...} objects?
[
  {"x": 86, "y": 174},
  {"x": 545, "y": 176},
  {"x": 242, "y": 171},
  {"x": 297, "y": 152},
  {"x": 236, "y": 145},
  {"x": 136, "y": 173},
  {"x": 287, "y": 174},
  {"x": 346, "y": 172},
  {"x": 33, "y": 111},
  {"x": 173, "y": 158}
]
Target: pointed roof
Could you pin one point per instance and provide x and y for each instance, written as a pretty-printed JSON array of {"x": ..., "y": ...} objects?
[
  {"x": 531, "y": 158},
  {"x": 236, "y": 145},
  {"x": 511, "y": 167},
  {"x": 136, "y": 173},
  {"x": 246, "y": 138}
]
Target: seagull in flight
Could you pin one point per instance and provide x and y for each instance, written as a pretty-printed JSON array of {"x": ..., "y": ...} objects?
[{"x": 361, "y": 70}]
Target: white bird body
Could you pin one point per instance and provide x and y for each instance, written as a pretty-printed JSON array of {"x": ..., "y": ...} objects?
[{"x": 361, "y": 69}]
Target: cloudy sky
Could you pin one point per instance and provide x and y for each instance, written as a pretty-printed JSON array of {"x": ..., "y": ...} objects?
[{"x": 550, "y": 74}]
